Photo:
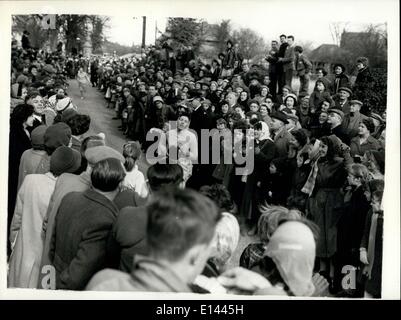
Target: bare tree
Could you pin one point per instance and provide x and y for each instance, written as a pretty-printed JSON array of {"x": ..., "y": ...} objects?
[
  {"x": 223, "y": 33},
  {"x": 336, "y": 30},
  {"x": 250, "y": 43}
]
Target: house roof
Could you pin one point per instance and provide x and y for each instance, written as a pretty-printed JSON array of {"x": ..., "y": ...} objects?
[{"x": 326, "y": 52}]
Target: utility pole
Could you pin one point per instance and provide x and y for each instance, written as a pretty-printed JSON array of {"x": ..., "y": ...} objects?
[
  {"x": 143, "y": 32},
  {"x": 155, "y": 30}
]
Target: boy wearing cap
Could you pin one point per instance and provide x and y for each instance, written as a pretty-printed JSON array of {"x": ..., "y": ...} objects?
[{"x": 303, "y": 68}]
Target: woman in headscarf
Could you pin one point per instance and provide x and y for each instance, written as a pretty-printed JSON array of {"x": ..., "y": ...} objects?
[
  {"x": 264, "y": 152},
  {"x": 243, "y": 100},
  {"x": 269, "y": 220},
  {"x": 290, "y": 258},
  {"x": 286, "y": 268},
  {"x": 323, "y": 186}
]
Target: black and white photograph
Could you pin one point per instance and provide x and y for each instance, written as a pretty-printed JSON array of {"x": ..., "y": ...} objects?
[{"x": 214, "y": 148}]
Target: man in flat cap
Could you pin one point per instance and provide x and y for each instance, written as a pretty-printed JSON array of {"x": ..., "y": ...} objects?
[
  {"x": 335, "y": 120},
  {"x": 351, "y": 121},
  {"x": 341, "y": 100},
  {"x": 280, "y": 135}
]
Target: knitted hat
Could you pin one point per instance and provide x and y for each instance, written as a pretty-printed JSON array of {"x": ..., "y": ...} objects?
[
  {"x": 37, "y": 137},
  {"x": 96, "y": 154},
  {"x": 64, "y": 159},
  {"x": 57, "y": 135}
]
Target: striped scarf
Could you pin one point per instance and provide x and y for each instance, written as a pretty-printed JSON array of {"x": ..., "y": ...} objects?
[{"x": 310, "y": 182}]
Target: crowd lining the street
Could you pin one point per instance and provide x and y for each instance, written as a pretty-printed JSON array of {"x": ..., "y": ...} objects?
[{"x": 312, "y": 199}]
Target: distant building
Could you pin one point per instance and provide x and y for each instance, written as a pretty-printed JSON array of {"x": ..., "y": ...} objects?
[{"x": 325, "y": 56}]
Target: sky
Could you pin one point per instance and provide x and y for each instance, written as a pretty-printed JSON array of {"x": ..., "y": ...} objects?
[{"x": 128, "y": 30}]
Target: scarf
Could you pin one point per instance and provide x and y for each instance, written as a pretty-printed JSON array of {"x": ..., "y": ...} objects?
[
  {"x": 310, "y": 182},
  {"x": 265, "y": 132}
]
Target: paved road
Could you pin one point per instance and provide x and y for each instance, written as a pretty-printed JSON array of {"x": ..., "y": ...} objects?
[{"x": 94, "y": 105}]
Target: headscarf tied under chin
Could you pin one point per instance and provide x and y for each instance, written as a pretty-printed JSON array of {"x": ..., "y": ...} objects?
[
  {"x": 265, "y": 134},
  {"x": 314, "y": 157},
  {"x": 292, "y": 248}
]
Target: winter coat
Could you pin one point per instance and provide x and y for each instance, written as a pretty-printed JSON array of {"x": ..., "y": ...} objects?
[
  {"x": 364, "y": 82},
  {"x": 26, "y": 230},
  {"x": 358, "y": 149},
  {"x": 351, "y": 124},
  {"x": 29, "y": 163},
  {"x": 83, "y": 224},
  {"x": 148, "y": 275},
  {"x": 302, "y": 65},
  {"x": 340, "y": 81},
  {"x": 374, "y": 284},
  {"x": 288, "y": 59},
  {"x": 324, "y": 207},
  {"x": 351, "y": 227},
  {"x": 128, "y": 236},
  {"x": 282, "y": 141},
  {"x": 345, "y": 107},
  {"x": 19, "y": 141},
  {"x": 253, "y": 195}
]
